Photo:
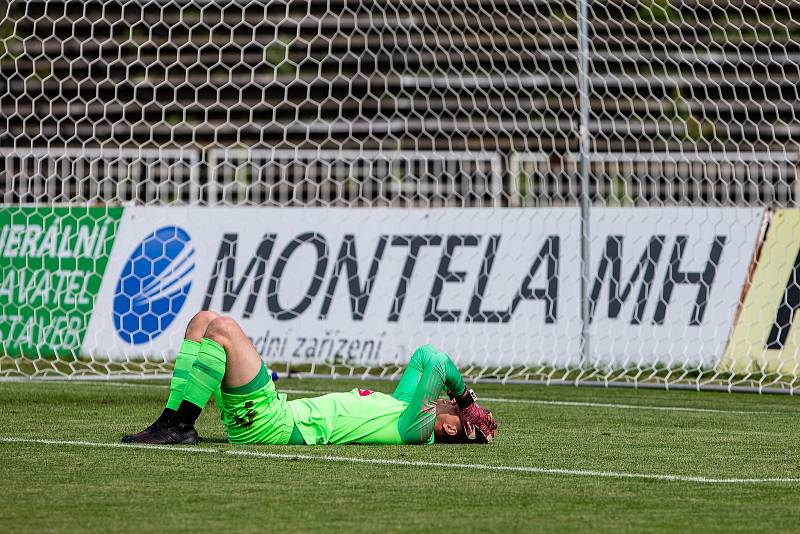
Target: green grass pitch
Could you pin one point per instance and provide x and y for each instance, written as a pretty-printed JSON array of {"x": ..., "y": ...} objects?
[{"x": 604, "y": 435}]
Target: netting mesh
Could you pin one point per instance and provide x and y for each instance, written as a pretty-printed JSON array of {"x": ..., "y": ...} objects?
[{"x": 692, "y": 144}]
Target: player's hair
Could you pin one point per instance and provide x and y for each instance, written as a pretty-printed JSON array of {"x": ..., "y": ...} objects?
[{"x": 459, "y": 437}]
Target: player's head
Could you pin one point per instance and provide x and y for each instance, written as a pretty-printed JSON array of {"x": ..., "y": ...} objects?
[{"x": 448, "y": 427}]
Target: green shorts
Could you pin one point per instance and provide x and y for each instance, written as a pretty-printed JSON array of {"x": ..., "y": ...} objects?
[{"x": 256, "y": 413}]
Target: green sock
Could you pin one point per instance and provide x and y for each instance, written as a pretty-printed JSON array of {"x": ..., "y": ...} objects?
[
  {"x": 183, "y": 366},
  {"x": 207, "y": 372}
]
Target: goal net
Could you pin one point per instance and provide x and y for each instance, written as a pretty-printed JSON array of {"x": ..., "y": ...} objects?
[{"x": 566, "y": 191}]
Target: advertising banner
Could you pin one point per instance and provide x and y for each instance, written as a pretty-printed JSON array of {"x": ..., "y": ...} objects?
[
  {"x": 359, "y": 286},
  {"x": 765, "y": 338},
  {"x": 365, "y": 286},
  {"x": 52, "y": 262},
  {"x": 491, "y": 287},
  {"x": 666, "y": 283}
]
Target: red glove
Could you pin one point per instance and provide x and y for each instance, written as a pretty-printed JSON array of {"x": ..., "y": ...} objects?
[
  {"x": 474, "y": 416},
  {"x": 478, "y": 417}
]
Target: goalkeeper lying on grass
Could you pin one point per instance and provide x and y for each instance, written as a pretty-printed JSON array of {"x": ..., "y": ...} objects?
[{"x": 217, "y": 358}]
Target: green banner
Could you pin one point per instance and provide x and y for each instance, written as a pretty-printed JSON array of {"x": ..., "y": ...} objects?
[{"x": 52, "y": 262}]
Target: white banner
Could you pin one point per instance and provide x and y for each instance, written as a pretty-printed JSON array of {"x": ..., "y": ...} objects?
[
  {"x": 490, "y": 287},
  {"x": 666, "y": 283}
]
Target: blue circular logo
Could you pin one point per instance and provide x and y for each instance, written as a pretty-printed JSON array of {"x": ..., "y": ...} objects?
[{"x": 153, "y": 285}]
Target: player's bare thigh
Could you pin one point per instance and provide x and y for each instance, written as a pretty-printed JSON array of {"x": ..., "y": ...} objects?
[{"x": 243, "y": 362}]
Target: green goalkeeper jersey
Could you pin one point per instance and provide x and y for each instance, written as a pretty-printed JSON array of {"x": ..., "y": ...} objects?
[
  {"x": 358, "y": 416},
  {"x": 363, "y": 416}
]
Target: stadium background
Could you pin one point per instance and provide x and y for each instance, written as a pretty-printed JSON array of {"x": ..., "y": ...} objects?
[
  {"x": 547, "y": 104},
  {"x": 629, "y": 111}
]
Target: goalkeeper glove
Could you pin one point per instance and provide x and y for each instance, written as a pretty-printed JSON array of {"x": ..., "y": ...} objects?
[{"x": 478, "y": 423}]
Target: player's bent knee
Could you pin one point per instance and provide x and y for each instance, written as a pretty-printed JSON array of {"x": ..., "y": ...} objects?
[
  {"x": 198, "y": 324},
  {"x": 222, "y": 329},
  {"x": 204, "y": 317}
]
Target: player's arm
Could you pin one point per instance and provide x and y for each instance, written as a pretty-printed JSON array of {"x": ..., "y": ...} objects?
[
  {"x": 429, "y": 374},
  {"x": 426, "y": 357}
]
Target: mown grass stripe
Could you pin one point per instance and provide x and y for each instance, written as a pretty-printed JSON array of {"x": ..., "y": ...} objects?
[
  {"x": 577, "y": 404},
  {"x": 409, "y": 463}
]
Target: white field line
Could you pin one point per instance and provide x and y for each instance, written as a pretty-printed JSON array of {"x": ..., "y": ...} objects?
[
  {"x": 578, "y": 404},
  {"x": 408, "y": 463},
  {"x": 621, "y": 406}
]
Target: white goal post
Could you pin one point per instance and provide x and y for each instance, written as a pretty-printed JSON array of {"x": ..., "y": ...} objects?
[{"x": 556, "y": 191}]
